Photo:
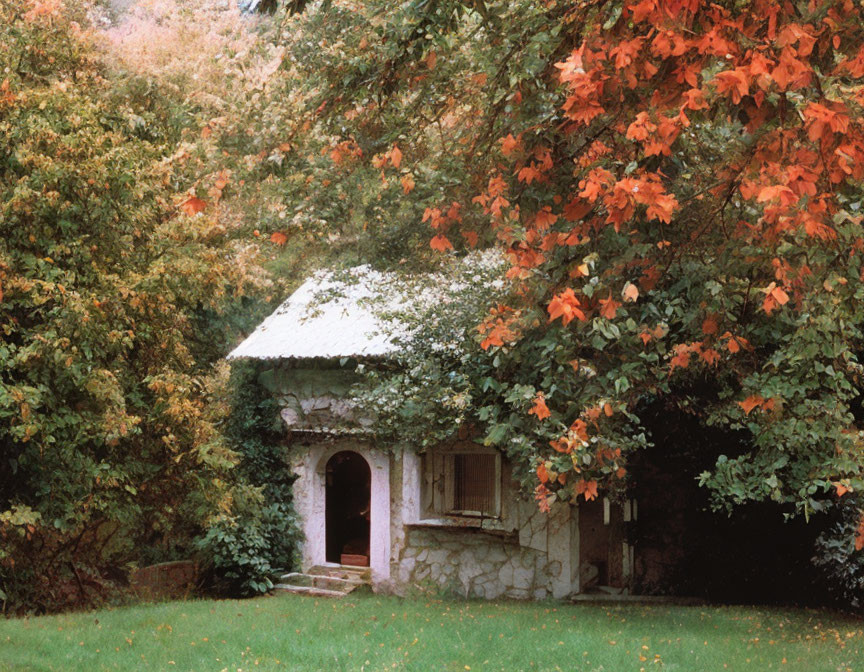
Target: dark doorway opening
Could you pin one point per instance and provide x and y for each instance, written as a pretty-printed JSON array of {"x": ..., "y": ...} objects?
[
  {"x": 684, "y": 547},
  {"x": 347, "y": 502},
  {"x": 601, "y": 554}
]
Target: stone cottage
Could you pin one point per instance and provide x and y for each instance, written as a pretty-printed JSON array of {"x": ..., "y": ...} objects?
[{"x": 451, "y": 517}]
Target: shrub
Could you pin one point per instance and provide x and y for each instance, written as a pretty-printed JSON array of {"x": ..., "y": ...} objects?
[
  {"x": 256, "y": 533},
  {"x": 243, "y": 548},
  {"x": 107, "y": 434},
  {"x": 837, "y": 556}
]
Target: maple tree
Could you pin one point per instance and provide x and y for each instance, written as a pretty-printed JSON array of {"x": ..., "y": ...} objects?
[
  {"x": 717, "y": 152},
  {"x": 677, "y": 187}
]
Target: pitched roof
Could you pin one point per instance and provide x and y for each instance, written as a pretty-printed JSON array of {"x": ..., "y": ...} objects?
[
  {"x": 362, "y": 312},
  {"x": 328, "y": 317}
]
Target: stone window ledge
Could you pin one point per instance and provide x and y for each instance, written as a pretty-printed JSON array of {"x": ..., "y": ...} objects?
[{"x": 491, "y": 526}]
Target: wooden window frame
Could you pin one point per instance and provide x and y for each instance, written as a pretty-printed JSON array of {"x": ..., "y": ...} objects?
[{"x": 438, "y": 480}]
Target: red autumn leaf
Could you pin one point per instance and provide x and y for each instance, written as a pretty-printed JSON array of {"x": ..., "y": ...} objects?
[
  {"x": 859, "y": 535},
  {"x": 565, "y": 305},
  {"x": 841, "y": 489},
  {"x": 6, "y": 95},
  {"x": 433, "y": 216},
  {"x": 529, "y": 174},
  {"x": 825, "y": 121},
  {"x": 395, "y": 155},
  {"x": 735, "y": 82},
  {"x": 630, "y": 292},
  {"x": 440, "y": 243},
  {"x": 774, "y": 296},
  {"x": 471, "y": 238},
  {"x": 681, "y": 359},
  {"x": 780, "y": 296},
  {"x": 562, "y": 446},
  {"x": 778, "y": 192},
  {"x": 576, "y": 209},
  {"x": 695, "y": 99},
  {"x": 609, "y": 307},
  {"x": 539, "y": 408},
  {"x": 542, "y": 474},
  {"x": 580, "y": 271},
  {"x": 509, "y": 144},
  {"x": 453, "y": 212},
  {"x": 278, "y": 238},
  {"x": 710, "y": 356},
  {"x": 814, "y": 228},
  {"x": 750, "y": 403},
  {"x": 545, "y": 218},
  {"x": 580, "y": 429},
  {"x": 408, "y": 183},
  {"x": 541, "y": 494},
  {"x": 193, "y": 205},
  {"x": 587, "y": 489}
]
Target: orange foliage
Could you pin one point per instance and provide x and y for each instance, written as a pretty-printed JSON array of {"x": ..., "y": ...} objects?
[
  {"x": 588, "y": 489},
  {"x": 756, "y": 401},
  {"x": 644, "y": 92},
  {"x": 440, "y": 243},
  {"x": 193, "y": 205},
  {"x": 565, "y": 305},
  {"x": 539, "y": 408},
  {"x": 278, "y": 238},
  {"x": 609, "y": 307},
  {"x": 499, "y": 327}
]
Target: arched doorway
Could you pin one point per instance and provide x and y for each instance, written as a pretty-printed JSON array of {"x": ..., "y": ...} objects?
[{"x": 348, "y": 489}]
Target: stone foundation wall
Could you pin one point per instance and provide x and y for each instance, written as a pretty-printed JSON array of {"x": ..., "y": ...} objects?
[
  {"x": 473, "y": 564},
  {"x": 166, "y": 580},
  {"x": 524, "y": 554}
]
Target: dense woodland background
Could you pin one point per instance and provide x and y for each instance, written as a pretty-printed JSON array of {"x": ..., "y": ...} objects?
[{"x": 675, "y": 186}]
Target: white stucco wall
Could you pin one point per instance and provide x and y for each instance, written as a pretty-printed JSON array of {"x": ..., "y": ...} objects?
[
  {"x": 525, "y": 554},
  {"x": 310, "y": 498}
]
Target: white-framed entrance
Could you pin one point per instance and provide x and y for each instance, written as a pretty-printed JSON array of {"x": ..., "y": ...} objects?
[{"x": 310, "y": 500}]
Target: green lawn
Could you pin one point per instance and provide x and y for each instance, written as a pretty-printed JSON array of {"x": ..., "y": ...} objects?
[{"x": 369, "y": 632}]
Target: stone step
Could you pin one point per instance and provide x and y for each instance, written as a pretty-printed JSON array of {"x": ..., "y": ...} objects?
[
  {"x": 321, "y": 581},
  {"x": 308, "y": 590},
  {"x": 362, "y": 574}
]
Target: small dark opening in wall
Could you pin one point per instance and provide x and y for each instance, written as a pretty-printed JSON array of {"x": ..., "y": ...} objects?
[{"x": 347, "y": 504}]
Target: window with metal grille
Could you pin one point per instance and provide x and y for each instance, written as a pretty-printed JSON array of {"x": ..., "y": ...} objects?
[
  {"x": 462, "y": 483},
  {"x": 474, "y": 483}
]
